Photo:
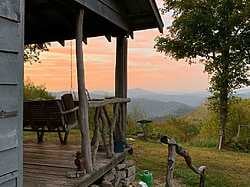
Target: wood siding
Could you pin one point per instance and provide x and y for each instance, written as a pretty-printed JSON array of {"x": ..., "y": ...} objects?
[
  {"x": 10, "y": 9},
  {"x": 11, "y": 83},
  {"x": 8, "y": 36},
  {"x": 8, "y": 74}
]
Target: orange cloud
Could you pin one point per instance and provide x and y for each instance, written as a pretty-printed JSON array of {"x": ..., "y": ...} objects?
[{"x": 147, "y": 68}]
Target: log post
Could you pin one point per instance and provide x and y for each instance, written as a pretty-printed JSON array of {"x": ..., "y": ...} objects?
[
  {"x": 106, "y": 122},
  {"x": 121, "y": 84},
  {"x": 111, "y": 125},
  {"x": 170, "y": 167},
  {"x": 96, "y": 135},
  {"x": 173, "y": 148},
  {"x": 83, "y": 103},
  {"x": 103, "y": 136},
  {"x": 202, "y": 176}
]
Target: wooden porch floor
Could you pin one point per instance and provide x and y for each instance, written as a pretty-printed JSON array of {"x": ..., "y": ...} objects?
[{"x": 46, "y": 165}]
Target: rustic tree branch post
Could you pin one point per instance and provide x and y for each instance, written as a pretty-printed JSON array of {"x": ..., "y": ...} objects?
[
  {"x": 111, "y": 125},
  {"x": 121, "y": 84},
  {"x": 174, "y": 147},
  {"x": 83, "y": 103},
  {"x": 170, "y": 164},
  {"x": 96, "y": 136},
  {"x": 105, "y": 123},
  {"x": 115, "y": 119},
  {"x": 103, "y": 136},
  {"x": 202, "y": 170}
]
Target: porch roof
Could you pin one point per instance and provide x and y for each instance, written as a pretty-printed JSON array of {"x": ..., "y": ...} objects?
[{"x": 55, "y": 20}]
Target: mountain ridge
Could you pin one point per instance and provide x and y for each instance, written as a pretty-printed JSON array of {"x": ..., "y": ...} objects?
[
  {"x": 155, "y": 109},
  {"x": 161, "y": 104}
]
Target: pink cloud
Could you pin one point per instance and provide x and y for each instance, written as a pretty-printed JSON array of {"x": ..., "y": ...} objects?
[{"x": 146, "y": 68}]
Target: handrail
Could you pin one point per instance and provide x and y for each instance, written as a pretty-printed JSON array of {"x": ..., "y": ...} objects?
[{"x": 173, "y": 148}]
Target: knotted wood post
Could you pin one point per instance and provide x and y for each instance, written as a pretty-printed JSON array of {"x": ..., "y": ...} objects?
[
  {"x": 174, "y": 147},
  {"x": 83, "y": 102},
  {"x": 170, "y": 164},
  {"x": 106, "y": 121},
  {"x": 121, "y": 85},
  {"x": 96, "y": 135}
]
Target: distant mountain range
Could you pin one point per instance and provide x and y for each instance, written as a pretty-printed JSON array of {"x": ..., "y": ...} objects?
[
  {"x": 157, "y": 105},
  {"x": 192, "y": 99},
  {"x": 156, "y": 109}
]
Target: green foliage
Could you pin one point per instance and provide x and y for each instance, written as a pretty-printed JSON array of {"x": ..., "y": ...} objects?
[
  {"x": 208, "y": 132},
  {"x": 36, "y": 92},
  {"x": 239, "y": 115},
  {"x": 179, "y": 129},
  {"x": 201, "y": 127},
  {"x": 222, "y": 168},
  {"x": 132, "y": 127},
  {"x": 216, "y": 33},
  {"x": 33, "y": 51}
]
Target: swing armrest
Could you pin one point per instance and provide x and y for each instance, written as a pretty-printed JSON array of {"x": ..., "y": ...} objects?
[{"x": 70, "y": 111}]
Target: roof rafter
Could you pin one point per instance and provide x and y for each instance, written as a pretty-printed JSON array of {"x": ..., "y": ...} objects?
[{"x": 107, "y": 9}]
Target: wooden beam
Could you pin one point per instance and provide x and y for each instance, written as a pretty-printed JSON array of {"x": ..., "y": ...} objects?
[
  {"x": 131, "y": 34},
  {"x": 108, "y": 37},
  {"x": 85, "y": 40},
  {"x": 83, "y": 102},
  {"x": 121, "y": 83},
  {"x": 157, "y": 15},
  {"x": 108, "y": 9},
  {"x": 62, "y": 42}
]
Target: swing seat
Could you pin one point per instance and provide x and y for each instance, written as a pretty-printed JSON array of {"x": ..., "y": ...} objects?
[{"x": 51, "y": 116}]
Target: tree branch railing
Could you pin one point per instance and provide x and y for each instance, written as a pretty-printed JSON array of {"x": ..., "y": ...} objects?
[
  {"x": 173, "y": 148},
  {"x": 106, "y": 125}
]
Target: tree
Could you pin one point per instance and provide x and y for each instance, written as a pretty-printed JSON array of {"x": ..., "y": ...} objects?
[
  {"x": 36, "y": 92},
  {"x": 31, "y": 55},
  {"x": 216, "y": 33},
  {"x": 33, "y": 51}
]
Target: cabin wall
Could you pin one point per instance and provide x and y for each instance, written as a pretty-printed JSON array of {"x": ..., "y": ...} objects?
[{"x": 11, "y": 99}]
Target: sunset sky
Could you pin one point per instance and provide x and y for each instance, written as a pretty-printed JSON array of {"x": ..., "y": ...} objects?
[{"x": 147, "y": 69}]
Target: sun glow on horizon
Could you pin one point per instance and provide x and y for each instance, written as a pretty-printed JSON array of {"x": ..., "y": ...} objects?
[{"x": 147, "y": 68}]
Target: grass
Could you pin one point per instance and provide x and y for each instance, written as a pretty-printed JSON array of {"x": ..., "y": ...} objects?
[
  {"x": 52, "y": 137},
  {"x": 225, "y": 168}
]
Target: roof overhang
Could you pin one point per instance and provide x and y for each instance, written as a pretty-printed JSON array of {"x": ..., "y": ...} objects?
[
  {"x": 55, "y": 20},
  {"x": 143, "y": 14}
]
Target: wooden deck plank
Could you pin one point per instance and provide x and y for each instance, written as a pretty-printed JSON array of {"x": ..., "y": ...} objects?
[
  {"x": 44, "y": 169},
  {"x": 31, "y": 155},
  {"x": 47, "y": 165},
  {"x": 55, "y": 178},
  {"x": 49, "y": 157},
  {"x": 34, "y": 181}
]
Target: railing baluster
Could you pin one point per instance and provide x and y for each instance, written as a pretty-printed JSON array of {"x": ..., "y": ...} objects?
[{"x": 174, "y": 147}]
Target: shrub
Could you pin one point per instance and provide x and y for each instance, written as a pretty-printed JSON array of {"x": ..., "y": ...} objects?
[
  {"x": 239, "y": 115},
  {"x": 201, "y": 127},
  {"x": 178, "y": 129},
  {"x": 35, "y": 92}
]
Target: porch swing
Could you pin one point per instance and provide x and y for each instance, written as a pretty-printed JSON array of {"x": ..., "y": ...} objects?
[{"x": 52, "y": 115}]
